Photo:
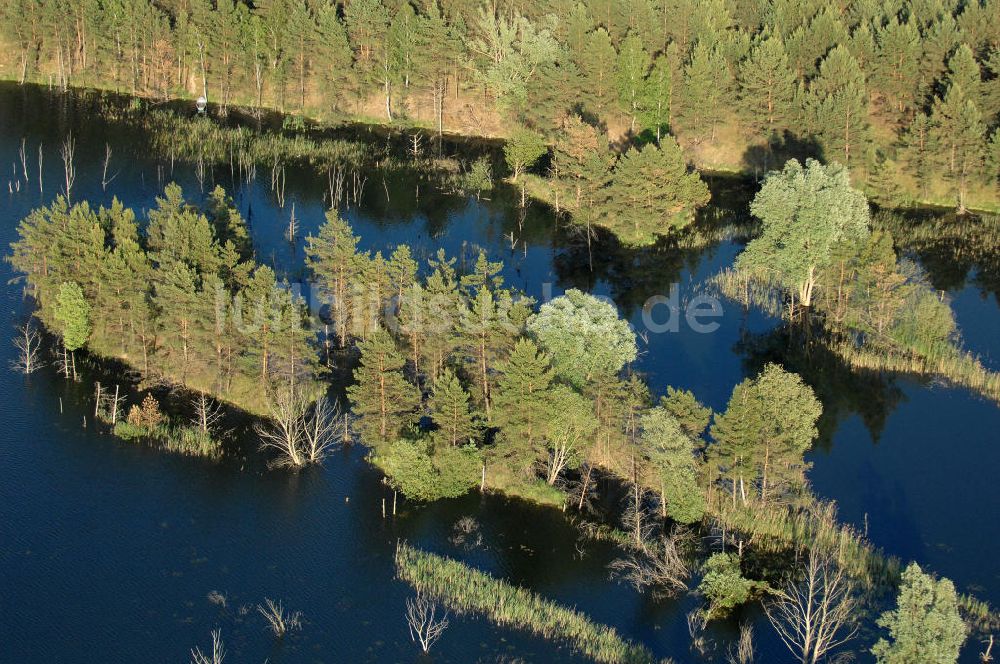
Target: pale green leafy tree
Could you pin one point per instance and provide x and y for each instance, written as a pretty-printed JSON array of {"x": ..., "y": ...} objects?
[
  {"x": 584, "y": 337},
  {"x": 570, "y": 424},
  {"x": 926, "y": 626},
  {"x": 804, "y": 213},
  {"x": 522, "y": 150}
]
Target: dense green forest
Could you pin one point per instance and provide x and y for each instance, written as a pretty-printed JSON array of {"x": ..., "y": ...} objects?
[{"x": 906, "y": 94}]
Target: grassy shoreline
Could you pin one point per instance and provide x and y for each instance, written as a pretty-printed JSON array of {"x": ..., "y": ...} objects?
[{"x": 340, "y": 119}]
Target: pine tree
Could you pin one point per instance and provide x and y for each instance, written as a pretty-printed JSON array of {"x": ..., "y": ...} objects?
[
  {"x": 451, "y": 412},
  {"x": 333, "y": 260},
  {"x": 653, "y": 193},
  {"x": 182, "y": 319},
  {"x": 707, "y": 83},
  {"x": 767, "y": 88},
  {"x": 925, "y": 626},
  {"x": 481, "y": 332},
  {"x": 917, "y": 151},
  {"x": 690, "y": 413},
  {"x": 964, "y": 73},
  {"x": 655, "y": 97},
  {"x": 581, "y": 169},
  {"x": 761, "y": 438},
  {"x": 521, "y": 405},
  {"x": 897, "y": 65},
  {"x": 384, "y": 401},
  {"x": 331, "y": 51},
  {"x": 809, "y": 44},
  {"x": 958, "y": 133},
  {"x": 630, "y": 72},
  {"x": 839, "y": 104}
]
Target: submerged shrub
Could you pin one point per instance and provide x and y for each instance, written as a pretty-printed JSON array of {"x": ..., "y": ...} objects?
[{"x": 723, "y": 585}]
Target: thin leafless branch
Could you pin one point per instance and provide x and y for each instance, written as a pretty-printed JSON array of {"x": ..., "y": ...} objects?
[
  {"x": 215, "y": 656},
  {"x": 815, "y": 614},
  {"x": 426, "y": 627},
  {"x": 280, "y": 621},
  {"x": 28, "y": 342}
]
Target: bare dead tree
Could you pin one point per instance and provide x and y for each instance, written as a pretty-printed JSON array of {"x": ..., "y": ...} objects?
[
  {"x": 743, "y": 652},
  {"x": 68, "y": 152},
  {"x": 105, "y": 180},
  {"x": 278, "y": 619},
  {"x": 283, "y": 432},
  {"x": 293, "y": 227},
  {"x": 215, "y": 655},
  {"x": 696, "y": 622},
  {"x": 207, "y": 413},
  {"x": 987, "y": 655},
  {"x": 322, "y": 430},
  {"x": 28, "y": 342},
  {"x": 814, "y": 615},
  {"x": 656, "y": 567},
  {"x": 301, "y": 434},
  {"x": 22, "y": 153},
  {"x": 40, "y": 185},
  {"x": 426, "y": 627}
]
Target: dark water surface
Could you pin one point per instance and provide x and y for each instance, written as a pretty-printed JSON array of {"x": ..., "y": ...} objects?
[{"x": 109, "y": 550}]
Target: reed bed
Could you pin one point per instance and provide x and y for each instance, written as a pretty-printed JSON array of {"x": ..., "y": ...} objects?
[
  {"x": 188, "y": 139},
  {"x": 750, "y": 289},
  {"x": 468, "y": 591},
  {"x": 956, "y": 367}
]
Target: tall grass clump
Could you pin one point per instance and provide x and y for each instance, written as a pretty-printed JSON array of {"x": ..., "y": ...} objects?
[{"x": 466, "y": 590}]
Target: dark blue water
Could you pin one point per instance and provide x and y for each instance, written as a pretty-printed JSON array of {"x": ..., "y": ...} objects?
[{"x": 108, "y": 550}]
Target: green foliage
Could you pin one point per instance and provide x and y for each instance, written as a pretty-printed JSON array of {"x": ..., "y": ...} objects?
[
  {"x": 690, "y": 413},
  {"x": 382, "y": 397},
  {"x": 707, "y": 85},
  {"x": 569, "y": 423},
  {"x": 478, "y": 178},
  {"x": 657, "y": 91},
  {"x": 653, "y": 193},
  {"x": 804, "y": 213},
  {"x": 584, "y": 336},
  {"x": 73, "y": 315},
  {"x": 671, "y": 452},
  {"x": 630, "y": 71},
  {"x": 767, "y": 88},
  {"x": 456, "y": 423},
  {"x": 925, "y": 626},
  {"x": 447, "y": 472},
  {"x": 522, "y": 150},
  {"x": 838, "y": 100},
  {"x": 521, "y": 403},
  {"x": 723, "y": 584},
  {"x": 761, "y": 437},
  {"x": 838, "y": 80}
]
